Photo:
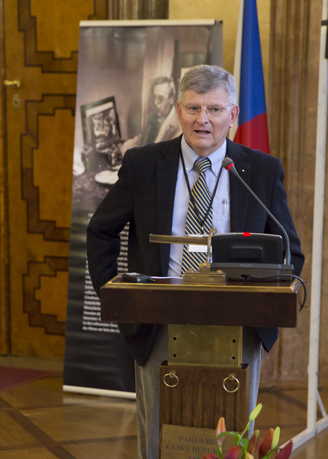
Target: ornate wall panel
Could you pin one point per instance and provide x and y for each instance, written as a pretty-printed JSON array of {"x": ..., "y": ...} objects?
[
  {"x": 39, "y": 283},
  {"x": 41, "y": 49},
  {"x": 45, "y": 148}
]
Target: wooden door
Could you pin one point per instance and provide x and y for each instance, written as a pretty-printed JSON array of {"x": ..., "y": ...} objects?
[{"x": 39, "y": 48}]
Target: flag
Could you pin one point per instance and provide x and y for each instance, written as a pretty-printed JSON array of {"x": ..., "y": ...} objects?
[{"x": 252, "y": 127}]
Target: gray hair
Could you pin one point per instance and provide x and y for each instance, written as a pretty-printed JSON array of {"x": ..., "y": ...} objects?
[{"x": 205, "y": 78}]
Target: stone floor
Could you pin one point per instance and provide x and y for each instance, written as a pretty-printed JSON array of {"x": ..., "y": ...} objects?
[{"x": 40, "y": 421}]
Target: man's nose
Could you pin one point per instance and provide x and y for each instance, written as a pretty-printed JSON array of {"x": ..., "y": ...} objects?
[{"x": 202, "y": 116}]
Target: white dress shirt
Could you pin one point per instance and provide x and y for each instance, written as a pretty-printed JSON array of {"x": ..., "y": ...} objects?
[{"x": 221, "y": 201}]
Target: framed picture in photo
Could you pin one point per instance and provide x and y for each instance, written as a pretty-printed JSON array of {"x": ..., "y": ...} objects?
[{"x": 100, "y": 124}]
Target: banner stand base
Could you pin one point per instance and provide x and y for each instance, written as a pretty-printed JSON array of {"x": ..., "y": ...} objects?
[{"x": 101, "y": 392}]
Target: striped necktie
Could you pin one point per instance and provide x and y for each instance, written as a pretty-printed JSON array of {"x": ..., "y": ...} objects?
[{"x": 198, "y": 221}]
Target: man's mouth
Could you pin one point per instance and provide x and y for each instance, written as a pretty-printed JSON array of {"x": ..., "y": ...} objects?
[{"x": 202, "y": 131}]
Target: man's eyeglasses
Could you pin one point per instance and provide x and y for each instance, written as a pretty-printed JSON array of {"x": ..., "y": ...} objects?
[{"x": 210, "y": 111}]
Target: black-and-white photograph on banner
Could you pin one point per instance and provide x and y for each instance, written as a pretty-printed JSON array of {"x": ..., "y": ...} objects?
[{"x": 128, "y": 77}]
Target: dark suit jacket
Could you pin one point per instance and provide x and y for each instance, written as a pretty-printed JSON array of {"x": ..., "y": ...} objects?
[{"x": 144, "y": 196}]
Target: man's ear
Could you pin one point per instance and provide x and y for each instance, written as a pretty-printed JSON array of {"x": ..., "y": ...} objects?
[{"x": 234, "y": 114}]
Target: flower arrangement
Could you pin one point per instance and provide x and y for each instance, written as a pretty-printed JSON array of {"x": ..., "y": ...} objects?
[{"x": 251, "y": 447}]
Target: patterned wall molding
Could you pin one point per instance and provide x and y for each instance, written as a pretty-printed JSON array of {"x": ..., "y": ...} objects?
[
  {"x": 29, "y": 142},
  {"x": 32, "y": 281},
  {"x": 100, "y": 10},
  {"x": 46, "y": 59}
]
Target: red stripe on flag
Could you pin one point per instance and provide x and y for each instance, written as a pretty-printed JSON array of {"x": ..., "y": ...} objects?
[{"x": 254, "y": 134}]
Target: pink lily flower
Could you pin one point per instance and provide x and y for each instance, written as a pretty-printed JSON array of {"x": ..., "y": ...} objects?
[
  {"x": 232, "y": 453},
  {"x": 254, "y": 442},
  {"x": 266, "y": 443},
  {"x": 286, "y": 451},
  {"x": 220, "y": 428}
]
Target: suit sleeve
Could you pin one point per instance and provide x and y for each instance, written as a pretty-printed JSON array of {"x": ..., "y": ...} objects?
[{"x": 103, "y": 232}]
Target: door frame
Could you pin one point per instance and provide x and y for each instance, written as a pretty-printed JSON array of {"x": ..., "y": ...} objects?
[{"x": 4, "y": 240}]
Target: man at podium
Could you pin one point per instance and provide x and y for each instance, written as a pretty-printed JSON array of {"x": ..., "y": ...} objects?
[{"x": 179, "y": 187}]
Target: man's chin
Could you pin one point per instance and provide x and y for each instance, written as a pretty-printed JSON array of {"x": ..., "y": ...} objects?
[
  {"x": 202, "y": 147},
  {"x": 203, "y": 152}
]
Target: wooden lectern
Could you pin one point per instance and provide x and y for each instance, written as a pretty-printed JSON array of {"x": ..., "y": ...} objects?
[{"x": 204, "y": 377}]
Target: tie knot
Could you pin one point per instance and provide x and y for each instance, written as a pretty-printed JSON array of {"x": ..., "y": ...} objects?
[{"x": 202, "y": 164}]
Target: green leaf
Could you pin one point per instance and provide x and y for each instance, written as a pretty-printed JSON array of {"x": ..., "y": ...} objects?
[
  {"x": 224, "y": 434},
  {"x": 237, "y": 437},
  {"x": 245, "y": 445}
]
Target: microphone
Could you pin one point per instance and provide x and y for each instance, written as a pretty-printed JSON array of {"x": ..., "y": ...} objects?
[{"x": 228, "y": 164}]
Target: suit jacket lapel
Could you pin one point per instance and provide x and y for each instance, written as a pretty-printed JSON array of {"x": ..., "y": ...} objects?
[
  {"x": 238, "y": 194},
  {"x": 167, "y": 170}
]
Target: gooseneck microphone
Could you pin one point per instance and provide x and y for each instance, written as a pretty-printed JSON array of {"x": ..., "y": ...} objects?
[{"x": 228, "y": 164}]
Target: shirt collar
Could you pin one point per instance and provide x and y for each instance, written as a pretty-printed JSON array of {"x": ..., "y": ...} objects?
[{"x": 190, "y": 156}]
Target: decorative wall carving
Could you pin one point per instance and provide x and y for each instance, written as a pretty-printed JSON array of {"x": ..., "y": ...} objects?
[
  {"x": 36, "y": 317},
  {"x": 29, "y": 142}
]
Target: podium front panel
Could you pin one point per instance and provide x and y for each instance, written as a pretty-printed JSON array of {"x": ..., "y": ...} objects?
[
  {"x": 248, "y": 304},
  {"x": 199, "y": 396}
]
